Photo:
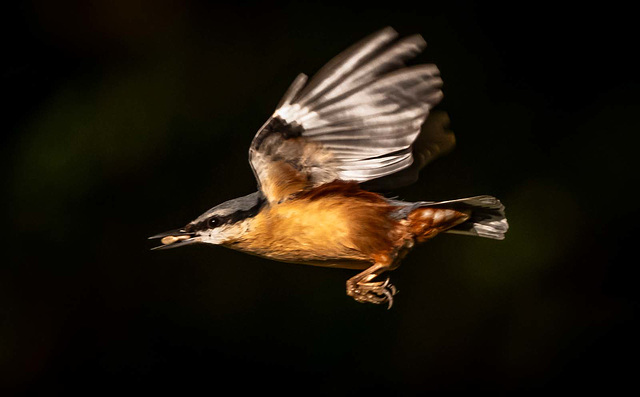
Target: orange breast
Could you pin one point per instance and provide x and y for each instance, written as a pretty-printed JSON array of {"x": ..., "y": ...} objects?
[{"x": 332, "y": 223}]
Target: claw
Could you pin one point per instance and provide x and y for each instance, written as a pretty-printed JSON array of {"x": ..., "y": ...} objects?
[
  {"x": 362, "y": 289},
  {"x": 373, "y": 292},
  {"x": 389, "y": 298}
]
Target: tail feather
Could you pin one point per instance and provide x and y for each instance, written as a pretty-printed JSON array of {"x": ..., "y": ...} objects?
[{"x": 486, "y": 215}]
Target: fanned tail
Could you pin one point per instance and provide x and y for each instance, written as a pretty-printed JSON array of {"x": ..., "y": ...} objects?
[
  {"x": 487, "y": 218},
  {"x": 481, "y": 216}
]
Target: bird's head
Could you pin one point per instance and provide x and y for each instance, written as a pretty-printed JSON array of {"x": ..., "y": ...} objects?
[{"x": 222, "y": 224}]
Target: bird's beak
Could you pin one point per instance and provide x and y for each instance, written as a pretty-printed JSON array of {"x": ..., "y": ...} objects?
[{"x": 174, "y": 238}]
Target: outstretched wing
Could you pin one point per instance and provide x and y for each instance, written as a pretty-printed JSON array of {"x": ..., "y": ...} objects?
[{"x": 355, "y": 120}]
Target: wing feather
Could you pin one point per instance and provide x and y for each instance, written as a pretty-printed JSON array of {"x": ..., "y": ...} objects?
[
  {"x": 356, "y": 119},
  {"x": 342, "y": 65}
]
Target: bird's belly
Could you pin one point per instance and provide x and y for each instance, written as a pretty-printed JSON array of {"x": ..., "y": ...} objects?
[{"x": 321, "y": 233}]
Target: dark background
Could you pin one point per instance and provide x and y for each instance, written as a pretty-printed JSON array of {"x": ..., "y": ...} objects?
[{"x": 126, "y": 119}]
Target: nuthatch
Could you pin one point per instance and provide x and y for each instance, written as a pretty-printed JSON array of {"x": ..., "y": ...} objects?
[{"x": 356, "y": 122}]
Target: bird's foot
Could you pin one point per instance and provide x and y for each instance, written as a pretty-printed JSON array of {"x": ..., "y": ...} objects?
[{"x": 372, "y": 292}]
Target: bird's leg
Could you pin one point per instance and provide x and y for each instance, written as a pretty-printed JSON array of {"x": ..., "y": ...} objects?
[{"x": 362, "y": 289}]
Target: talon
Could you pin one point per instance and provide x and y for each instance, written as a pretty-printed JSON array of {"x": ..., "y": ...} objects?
[
  {"x": 389, "y": 298},
  {"x": 363, "y": 289},
  {"x": 375, "y": 293}
]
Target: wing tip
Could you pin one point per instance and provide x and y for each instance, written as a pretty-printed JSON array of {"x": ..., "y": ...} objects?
[
  {"x": 295, "y": 87},
  {"x": 387, "y": 31},
  {"x": 415, "y": 39}
]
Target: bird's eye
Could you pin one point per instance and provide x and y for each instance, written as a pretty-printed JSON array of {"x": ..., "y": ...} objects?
[{"x": 214, "y": 222}]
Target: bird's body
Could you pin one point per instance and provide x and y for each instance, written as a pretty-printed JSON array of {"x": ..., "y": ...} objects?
[
  {"x": 335, "y": 224},
  {"x": 356, "y": 122},
  {"x": 340, "y": 225}
]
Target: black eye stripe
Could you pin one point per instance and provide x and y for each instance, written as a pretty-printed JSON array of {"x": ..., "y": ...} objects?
[{"x": 215, "y": 221}]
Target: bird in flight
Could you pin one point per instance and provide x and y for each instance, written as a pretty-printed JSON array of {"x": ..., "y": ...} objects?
[{"x": 356, "y": 123}]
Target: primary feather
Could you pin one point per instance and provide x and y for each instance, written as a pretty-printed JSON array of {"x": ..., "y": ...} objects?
[{"x": 356, "y": 119}]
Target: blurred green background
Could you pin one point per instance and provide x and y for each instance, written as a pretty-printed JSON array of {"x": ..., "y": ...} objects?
[{"x": 126, "y": 119}]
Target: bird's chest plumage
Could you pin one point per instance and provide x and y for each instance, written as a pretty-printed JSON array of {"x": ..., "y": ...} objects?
[{"x": 321, "y": 231}]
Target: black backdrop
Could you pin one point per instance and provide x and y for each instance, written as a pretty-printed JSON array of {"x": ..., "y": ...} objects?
[{"x": 126, "y": 119}]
